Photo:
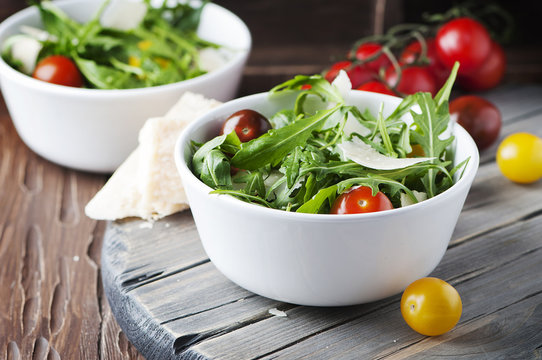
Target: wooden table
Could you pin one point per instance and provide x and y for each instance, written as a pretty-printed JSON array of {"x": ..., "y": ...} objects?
[
  {"x": 52, "y": 301},
  {"x": 174, "y": 304}
]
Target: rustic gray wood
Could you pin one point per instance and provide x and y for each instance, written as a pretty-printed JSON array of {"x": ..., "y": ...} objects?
[{"x": 173, "y": 304}]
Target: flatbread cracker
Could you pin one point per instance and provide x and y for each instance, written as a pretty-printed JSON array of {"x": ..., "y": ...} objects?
[{"x": 147, "y": 184}]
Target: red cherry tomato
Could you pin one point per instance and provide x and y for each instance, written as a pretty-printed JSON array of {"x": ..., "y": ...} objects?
[
  {"x": 464, "y": 40},
  {"x": 360, "y": 199},
  {"x": 489, "y": 74},
  {"x": 376, "y": 86},
  {"x": 412, "y": 53},
  {"x": 413, "y": 79},
  {"x": 358, "y": 74},
  {"x": 333, "y": 71},
  {"x": 369, "y": 49},
  {"x": 479, "y": 117},
  {"x": 248, "y": 124},
  {"x": 60, "y": 70}
]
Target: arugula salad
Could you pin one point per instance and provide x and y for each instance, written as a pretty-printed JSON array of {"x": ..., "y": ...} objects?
[
  {"x": 125, "y": 45},
  {"x": 323, "y": 148}
]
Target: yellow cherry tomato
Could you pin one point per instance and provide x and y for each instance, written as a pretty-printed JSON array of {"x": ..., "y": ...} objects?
[
  {"x": 431, "y": 306},
  {"x": 519, "y": 157}
]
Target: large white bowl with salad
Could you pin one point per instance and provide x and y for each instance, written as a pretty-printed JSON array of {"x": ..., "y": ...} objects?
[
  {"x": 294, "y": 244},
  {"x": 133, "y": 61}
]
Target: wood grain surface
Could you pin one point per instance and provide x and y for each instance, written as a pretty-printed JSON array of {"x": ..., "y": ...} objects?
[
  {"x": 52, "y": 302},
  {"x": 173, "y": 304}
]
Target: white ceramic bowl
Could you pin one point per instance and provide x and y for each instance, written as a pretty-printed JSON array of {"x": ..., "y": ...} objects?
[
  {"x": 95, "y": 130},
  {"x": 315, "y": 259}
]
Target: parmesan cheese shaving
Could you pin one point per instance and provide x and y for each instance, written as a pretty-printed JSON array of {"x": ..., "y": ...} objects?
[
  {"x": 343, "y": 84},
  {"x": 38, "y": 34},
  {"x": 406, "y": 200},
  {"x": 277, "y": 312},
  {"x": 123, "y": 14},
  {"x": 363, "y": 154},
  {"x": 25, "y": 49},
  {"x": 354, "y": 126},
  {"x": 211, "y": 59}
]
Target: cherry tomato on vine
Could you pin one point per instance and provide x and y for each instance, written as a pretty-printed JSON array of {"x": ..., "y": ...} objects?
[
  {"x": 479, "y": 117},
  {"x": 431, "y": 306},
  {"x": 519, "y": 157},
  {"x": 358, "y": 74},
  {"x": 412, "y": 54},
  {"x": 369, "y": 49},
  {"x": 417, "y": 151},
  {"x": 360, "y": 199},
  {"x": 376, "y": 86},
  {"x": 413, "y": 79},
  {"x": 58, "y": 69},
  {"x": 489, "y": 74},
  {"x": 248, "y": 124},
  {"x": 465, "y": 40}
]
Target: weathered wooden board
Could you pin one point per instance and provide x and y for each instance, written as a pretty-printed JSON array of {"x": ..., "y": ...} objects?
[
  {"x": 51, "y": 296},
  {"x": 173, "y": 304}
]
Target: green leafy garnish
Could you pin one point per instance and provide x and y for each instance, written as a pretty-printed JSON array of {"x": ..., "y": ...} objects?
[
  {"x": 162, "y": 49},
  {"x": 299, "y": 166}
]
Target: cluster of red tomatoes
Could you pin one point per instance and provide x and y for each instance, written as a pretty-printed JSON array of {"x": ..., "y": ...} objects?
[{"x": 425, "y": 63}]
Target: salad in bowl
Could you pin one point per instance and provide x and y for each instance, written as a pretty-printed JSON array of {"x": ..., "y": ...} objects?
[
  {"x": 262, "y": 207},
  {"x": 323, "y": 155}
]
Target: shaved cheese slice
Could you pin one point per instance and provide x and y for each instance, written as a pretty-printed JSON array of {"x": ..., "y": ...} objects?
[
  {"x": 211, "y": 59},
  {"x": 25, "y": 49},
  {"x": 123, "y": 14},
  {"x": 343, "y": 84},
  {"x": 406, "y": 200},
  {"x": 363, "y": 154},
  {"x": 38, "y": 34},
  {"x": 354, "y": 126},
  {"x": 277, "y": 312}
]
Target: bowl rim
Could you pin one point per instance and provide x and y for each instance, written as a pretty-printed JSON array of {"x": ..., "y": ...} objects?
[
  {"x": 238, "y": 57},
  {"x": 210, "y": 116}
]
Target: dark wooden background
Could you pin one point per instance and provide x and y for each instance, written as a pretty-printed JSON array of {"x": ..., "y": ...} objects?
[
  {"x": 51, "y": 297},
  {"x": 306, "y": 36}
]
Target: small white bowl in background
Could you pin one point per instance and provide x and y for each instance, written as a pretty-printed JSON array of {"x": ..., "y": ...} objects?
[
  {"x": 93, "y": 129},
  {"x": 321, "y": 259}
]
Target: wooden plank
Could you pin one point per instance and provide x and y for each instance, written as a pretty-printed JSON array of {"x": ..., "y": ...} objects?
[
  {"x": 167, "y": 287},
  {"x": 472, "y": 268},
  {"x": 52, "y": 299},
  {"x": 301, "y": 24},
  {"x": 520, "y": 108},
  {"x": 133, "y": 257},
  {"x": 508, "y": 333},
  {"x": 48, "y": 279},
  {"x": 515, "y": 101},
  {"x": 490, "y": 190}
]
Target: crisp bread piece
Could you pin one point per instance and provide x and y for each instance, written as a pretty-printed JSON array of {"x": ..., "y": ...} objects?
[
  {"x": 147, "y": 184},
  {"x": 162, "y": 191},
  {"x": 120, "y": 196}
]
